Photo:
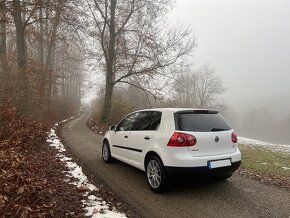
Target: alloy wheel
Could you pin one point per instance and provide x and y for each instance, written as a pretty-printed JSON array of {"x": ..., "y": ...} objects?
[{"x": 154, "y": 173}]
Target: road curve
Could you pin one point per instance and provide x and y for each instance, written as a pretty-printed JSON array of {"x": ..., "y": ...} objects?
[{"x": 238, "y": 197}]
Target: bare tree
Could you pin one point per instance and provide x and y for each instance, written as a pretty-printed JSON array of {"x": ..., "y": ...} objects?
[
  {"x": 17, "y": 9},
  {"x": 200, "y": 88},
  {"x": 135, "y": 41},
  {"x": 3, "y": 50},
  {"x": 50, "y": 50},
  {"x": 3, "y": 23}
]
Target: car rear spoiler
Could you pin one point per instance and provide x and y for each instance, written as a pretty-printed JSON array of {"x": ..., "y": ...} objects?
[{"x": 198, "y": 111}]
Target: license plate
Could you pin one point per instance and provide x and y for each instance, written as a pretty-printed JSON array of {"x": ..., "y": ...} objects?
[{"x": 219, "y": 163}]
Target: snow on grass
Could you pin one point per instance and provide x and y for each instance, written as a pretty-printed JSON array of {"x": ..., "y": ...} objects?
[
  {"x": 265, "y": 145},
  {"x": 94, "y": 206}
]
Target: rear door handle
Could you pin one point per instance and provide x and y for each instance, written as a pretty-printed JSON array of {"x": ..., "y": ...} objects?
[
  {"x": 126, "y": 136},
  {"x": 146, "y": 137}
]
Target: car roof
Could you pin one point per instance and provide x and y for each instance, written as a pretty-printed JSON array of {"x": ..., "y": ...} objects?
[{"x": 173, "y": 110}]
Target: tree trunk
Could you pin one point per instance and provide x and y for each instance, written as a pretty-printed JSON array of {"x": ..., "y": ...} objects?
[
  {"x": 110, "y": 75},
  {"x": 107, "y": 103},
  {"x": 43, "y": 82},
  {"x": 41, "y": 44},
  {"x": 42, "y": 75},
  {"x": 50, "y": 81},
  {"x": 21, "y": 56},
  {"x": 63, "y": 77},
  {"x": 4, "y": 75},
  {"x": 49, "y": 58},
  {"x": 3, "y": 47}
]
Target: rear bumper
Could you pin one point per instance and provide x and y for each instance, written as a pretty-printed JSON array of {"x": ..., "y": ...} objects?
[
  {"x": 173, "y": 172},
  {"x": 182, "y": 158}
]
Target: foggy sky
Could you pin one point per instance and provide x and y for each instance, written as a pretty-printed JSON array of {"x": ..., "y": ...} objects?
[{"x": 248, "y": 42}]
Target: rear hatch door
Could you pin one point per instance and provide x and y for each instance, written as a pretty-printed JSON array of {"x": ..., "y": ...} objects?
[{"x": 212, "y": 132}]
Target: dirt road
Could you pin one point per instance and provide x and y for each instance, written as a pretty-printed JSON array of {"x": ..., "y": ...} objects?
[{"x": 238, "y": 197}]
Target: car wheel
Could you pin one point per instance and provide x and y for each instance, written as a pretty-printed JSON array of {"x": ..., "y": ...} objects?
[
  {"x": 156, "y": 176},
  {"x": 106, "y": 153}
]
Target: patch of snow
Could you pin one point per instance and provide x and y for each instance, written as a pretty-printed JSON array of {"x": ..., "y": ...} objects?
[
  {"x": 98, "y": 208},
  {"x": 54, "y": 141},
  {"x": 64, "y": 159},
  {"x": 95, "y": 207},
  {"x": 266, "y": 145}
]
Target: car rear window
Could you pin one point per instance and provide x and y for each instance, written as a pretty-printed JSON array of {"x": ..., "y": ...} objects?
[{"x": 200, "y": 121}]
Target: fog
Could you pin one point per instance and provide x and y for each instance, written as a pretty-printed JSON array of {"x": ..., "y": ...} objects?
[{"x": 247, "y": 41}]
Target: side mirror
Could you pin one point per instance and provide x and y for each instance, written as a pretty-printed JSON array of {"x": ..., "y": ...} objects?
[{"x": 113, "y": 128}]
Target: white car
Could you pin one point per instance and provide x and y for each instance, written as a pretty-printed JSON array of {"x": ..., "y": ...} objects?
[{"x": 169, "y": 142}]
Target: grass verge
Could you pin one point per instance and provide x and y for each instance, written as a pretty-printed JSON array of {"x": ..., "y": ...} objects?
[{"x": 264, "y": 161}]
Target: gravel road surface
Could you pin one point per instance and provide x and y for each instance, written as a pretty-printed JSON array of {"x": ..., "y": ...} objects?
[{"x": 238, "y": 197}]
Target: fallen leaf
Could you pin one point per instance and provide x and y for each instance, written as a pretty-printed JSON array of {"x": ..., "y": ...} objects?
[
  {"x": 83, "y": 188},
  {"x": 95, "y": 210},
  {"x": 20, "y": 190},
  {"x": 47, "y": 205}
]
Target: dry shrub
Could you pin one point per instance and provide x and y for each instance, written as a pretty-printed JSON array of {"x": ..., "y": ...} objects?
[{"x": 120, "y": 108}]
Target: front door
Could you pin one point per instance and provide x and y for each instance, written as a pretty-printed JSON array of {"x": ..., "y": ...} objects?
[{"x": 121, "y": 136}]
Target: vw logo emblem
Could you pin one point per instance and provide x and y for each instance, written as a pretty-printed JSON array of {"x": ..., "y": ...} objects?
[{"x": 216, "y": 139}]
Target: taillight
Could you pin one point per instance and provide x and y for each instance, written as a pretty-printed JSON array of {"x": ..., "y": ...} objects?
[
  {"x": 181, "y": 140},
  {"x": 234, "y": 137}
]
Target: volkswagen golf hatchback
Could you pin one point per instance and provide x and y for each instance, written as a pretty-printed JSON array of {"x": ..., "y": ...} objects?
[{"x": 171, "y": 142}]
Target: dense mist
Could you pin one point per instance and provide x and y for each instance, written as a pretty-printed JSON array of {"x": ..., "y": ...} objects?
[{"x": 248, "y": 43}]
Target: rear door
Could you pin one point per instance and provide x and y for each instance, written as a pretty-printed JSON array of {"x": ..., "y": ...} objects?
[
  {"x": 212, "y": 132},
  {"x": 142, "y": 135}
]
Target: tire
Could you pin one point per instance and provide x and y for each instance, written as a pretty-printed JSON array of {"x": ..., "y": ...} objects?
[
  {"x": 156, "y": 176},
  {"x": 106, "y": 153}
]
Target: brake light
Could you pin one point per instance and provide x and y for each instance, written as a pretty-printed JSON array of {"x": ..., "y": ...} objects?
[
  {"x": 181, "y": 140},
  {"x": 234, "y": 137}
]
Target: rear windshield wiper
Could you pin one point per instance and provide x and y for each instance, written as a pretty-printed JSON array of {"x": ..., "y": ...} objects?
[{"x": 218, "y": 129}]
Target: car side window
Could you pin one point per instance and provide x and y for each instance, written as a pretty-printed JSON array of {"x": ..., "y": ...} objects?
[
  {"x": 155, "y": 122},
  {"x": 147, "y": 120},
  {"x": 138, "y": 124},
  {"x": 127, "y": 123}
]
